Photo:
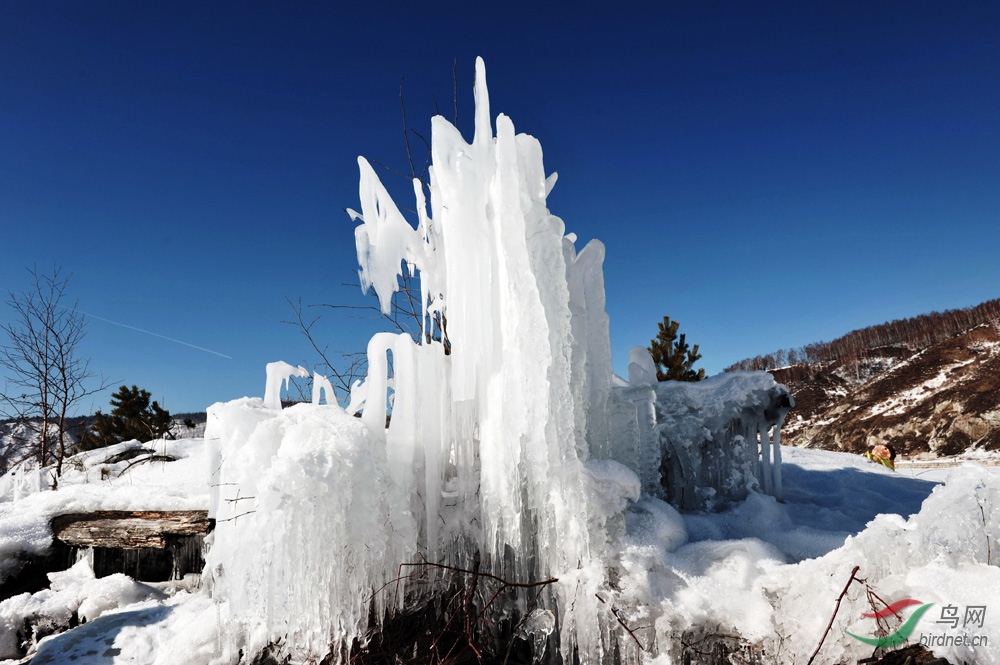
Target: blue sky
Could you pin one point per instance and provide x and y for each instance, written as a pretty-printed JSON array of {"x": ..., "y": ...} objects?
[{"x": 769, "y": 175}]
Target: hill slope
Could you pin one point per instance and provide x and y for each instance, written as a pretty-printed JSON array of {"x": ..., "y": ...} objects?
[{"x": 943, "y": 399}]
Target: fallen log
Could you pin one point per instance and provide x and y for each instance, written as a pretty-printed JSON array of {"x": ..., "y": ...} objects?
[{"x": 129, "y": 529}]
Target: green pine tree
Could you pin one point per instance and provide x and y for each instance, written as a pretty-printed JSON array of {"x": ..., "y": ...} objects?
[
  {"x": 674, "y": 360},
  {"x": 132, "y": 416}
]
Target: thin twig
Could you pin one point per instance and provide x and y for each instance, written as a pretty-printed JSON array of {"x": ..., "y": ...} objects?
[
  {"x": 983, "y": 512},
  {"x": 236, "y": 517},
  {"x": 832, "y": 616},
  {"x": 455, "y": 569},
  {"x": 406, "y": 135},
  {"x": 617, "y": 615}
]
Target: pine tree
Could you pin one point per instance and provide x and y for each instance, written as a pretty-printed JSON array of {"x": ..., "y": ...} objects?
[
  {"x": 132, "y": 417},
  {"x": 673, "y": 359}
]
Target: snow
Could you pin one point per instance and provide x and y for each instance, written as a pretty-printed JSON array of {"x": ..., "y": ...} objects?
[
  {"x": 767, "y": 570},
  {"x": 899, "y": 404}
]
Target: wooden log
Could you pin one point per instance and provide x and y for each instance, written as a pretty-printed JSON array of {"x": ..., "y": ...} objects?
[{"x": 129, "y": 529}]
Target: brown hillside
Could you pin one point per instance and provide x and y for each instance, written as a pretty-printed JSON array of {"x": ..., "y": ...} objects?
[{"x": 942, "y": 400}]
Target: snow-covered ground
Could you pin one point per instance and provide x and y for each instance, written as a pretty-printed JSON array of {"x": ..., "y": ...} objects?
[{"x": 768, "y": 571}]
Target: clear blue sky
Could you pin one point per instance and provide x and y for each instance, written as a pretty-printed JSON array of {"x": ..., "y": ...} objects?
[{"x": 769, "y": 174}]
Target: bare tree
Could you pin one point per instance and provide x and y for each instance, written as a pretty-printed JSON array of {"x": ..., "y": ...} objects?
[{"x": 46, "y": 374}]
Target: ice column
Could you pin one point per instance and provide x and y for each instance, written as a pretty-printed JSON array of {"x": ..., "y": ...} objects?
[
  {"x": 491, "y": 436},
  {"x": 765, "y": 454}
]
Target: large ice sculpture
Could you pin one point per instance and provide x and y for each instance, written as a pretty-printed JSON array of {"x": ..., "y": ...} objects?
[
  {"x": 510, "y": 448},
  {"x": 483, "y": 458}
]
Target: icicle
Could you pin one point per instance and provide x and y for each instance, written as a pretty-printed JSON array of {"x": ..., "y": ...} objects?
[
  {"x": 765, "y": 455},
  {"x": 778, "y": 490},
  {"x": 377, "y": 384}
]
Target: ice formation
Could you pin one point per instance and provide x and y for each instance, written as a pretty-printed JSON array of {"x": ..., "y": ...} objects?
[
  {"x": 322, "y": 389},
  {"x": 696, "y": 444},
  {"x": 508, "y": 447},
  {"x": 279, "y": 373}
]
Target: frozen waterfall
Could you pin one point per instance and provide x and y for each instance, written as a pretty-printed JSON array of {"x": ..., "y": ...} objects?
[{"x": 511, "y": 450}]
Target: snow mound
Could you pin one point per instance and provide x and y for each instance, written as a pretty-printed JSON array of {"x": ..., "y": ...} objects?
[{"x": 74, "y": 595}]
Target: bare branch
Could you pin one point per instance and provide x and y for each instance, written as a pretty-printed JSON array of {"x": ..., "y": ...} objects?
[
  {"x": 406, "y": 136},
  {"x": 834, "y": 615}
]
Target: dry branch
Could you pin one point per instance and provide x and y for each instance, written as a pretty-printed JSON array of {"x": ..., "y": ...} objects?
[{"x": 833, "y": 616}]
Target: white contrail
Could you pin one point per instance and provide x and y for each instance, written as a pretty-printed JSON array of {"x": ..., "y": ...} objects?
[{"x": 169, "y": 339}]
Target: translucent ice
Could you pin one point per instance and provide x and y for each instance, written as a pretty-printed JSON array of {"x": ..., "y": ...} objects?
[{"x": 641, "y": 369}]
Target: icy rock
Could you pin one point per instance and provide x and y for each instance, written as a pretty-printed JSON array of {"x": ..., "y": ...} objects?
[
  {"x": 695, "y": 445},
  {"x": 641, "y": 368}
]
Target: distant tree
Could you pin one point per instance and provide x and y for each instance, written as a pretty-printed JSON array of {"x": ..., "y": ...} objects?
[
  {"x": 46, "y": 374},
  {"x": 132, "y": 416},
  {"x": 914, "y": 333},
  {"x": 673, "y": 358}
]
